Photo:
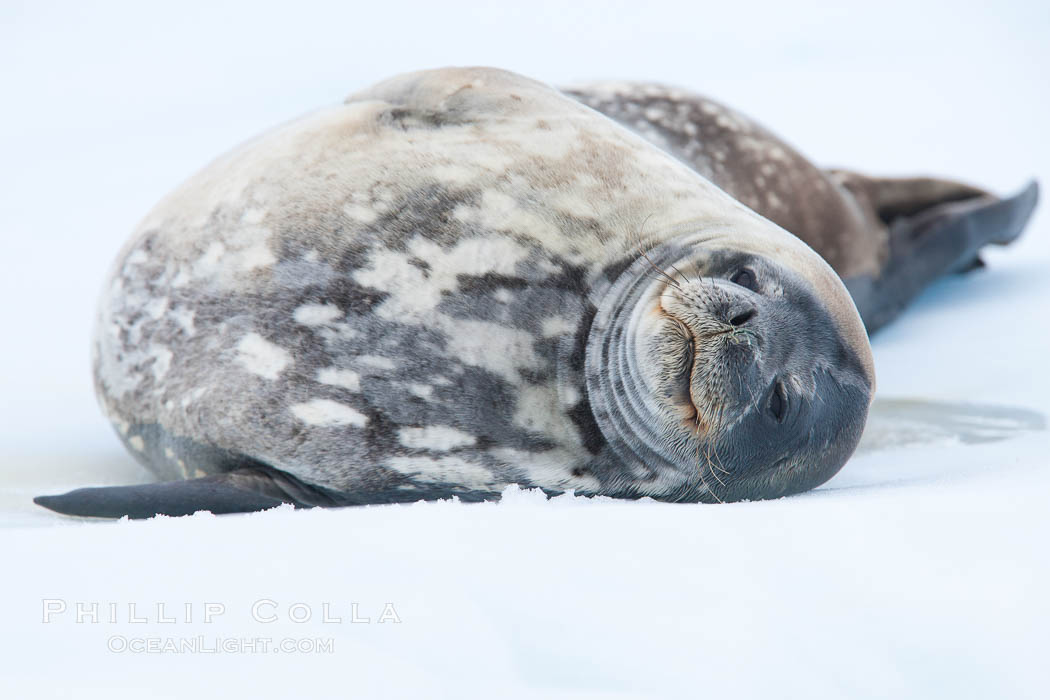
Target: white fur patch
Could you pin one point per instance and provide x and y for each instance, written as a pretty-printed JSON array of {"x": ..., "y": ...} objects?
[
  {"x": 157, "y": 307},
  {"x": 253, "y": 215},
  {"x": 259, "y": 356},
  {"x": 654, "y": 114},
  {"x": 185, "y": 318},
  {"x": 423, "y": 391},
  {"x": 244, "y": 250},
  {"x": 449, "y": 469},
  {"x": 556, "y": 325},
  {"x": 136, "y": 257},
  {"x": 376, "y": 361},
  {"x": 412, "y": 294},
  {"x": 162, "y": 357},
  {"x": 206, "y": 263},
  {"x": 550, "y": 469},
  {"x": 435, "y": 437},
  {"x": 317, "y": 314},
  {"x": 194, "y": 395},
  {"x": 360, "y": 212},
  {"x": 348, "y": 379},
  {"x": 500, "y": 212},
  {"x": 454, "y": 173},
  {"x": 326, "y": 412},
  {"x": 538, "y": 411},
  {"x": 258, "y": 255},
  {"x": 472, "y": 342}
]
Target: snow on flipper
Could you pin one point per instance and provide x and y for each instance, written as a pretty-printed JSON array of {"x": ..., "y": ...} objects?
[
  {"x": 896, "y": 423},
  {"x": 241, "y": 491}
]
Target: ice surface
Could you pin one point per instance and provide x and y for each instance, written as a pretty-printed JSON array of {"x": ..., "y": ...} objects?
[
  {"x": 921, "y": 570},
  {"x": 900, "y": 423}
]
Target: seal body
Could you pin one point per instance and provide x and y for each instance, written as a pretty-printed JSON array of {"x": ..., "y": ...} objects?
[{"x": 460, "y": 280}]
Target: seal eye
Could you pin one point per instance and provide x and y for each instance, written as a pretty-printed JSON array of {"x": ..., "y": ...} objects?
[
  {"x": 778, "y": 403},
  {"x": 745, "y": 278}
]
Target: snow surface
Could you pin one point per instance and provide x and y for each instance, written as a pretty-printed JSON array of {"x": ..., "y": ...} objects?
[{"x": 920, "y": 571}]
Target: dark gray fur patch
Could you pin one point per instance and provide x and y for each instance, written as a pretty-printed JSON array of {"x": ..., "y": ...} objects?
[
  {"x": 427, "y": 212},
  {"x": 407, "y": 119},
  {"x": 474, "y": 400}
]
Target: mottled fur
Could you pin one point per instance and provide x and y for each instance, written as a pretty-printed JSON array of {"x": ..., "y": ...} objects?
[
  {"x": 392, "y": 298},
  {"x": 888, "y": 238}
]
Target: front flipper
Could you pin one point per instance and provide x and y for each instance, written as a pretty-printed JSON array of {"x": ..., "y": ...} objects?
[
  {"x": 935, "y": 241},
  {"x": 240, "y": 491}
]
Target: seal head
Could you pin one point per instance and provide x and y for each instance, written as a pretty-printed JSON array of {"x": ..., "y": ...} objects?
[{"x": 728, "y": 364}]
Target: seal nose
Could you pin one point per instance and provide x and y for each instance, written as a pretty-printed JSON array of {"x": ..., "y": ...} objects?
[{"x": 741, "y": 315}]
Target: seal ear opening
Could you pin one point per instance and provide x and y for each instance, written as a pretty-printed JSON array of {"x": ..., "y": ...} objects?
[{"x": 240, "y": 491}]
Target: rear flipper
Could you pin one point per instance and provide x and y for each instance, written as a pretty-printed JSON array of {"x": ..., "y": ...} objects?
[
  {"x": 937, "y": 231},
  {"x": 240, "y": 491}
]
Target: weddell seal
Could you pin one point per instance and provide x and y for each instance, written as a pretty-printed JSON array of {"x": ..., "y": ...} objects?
[{"x": 460, "y": 280}]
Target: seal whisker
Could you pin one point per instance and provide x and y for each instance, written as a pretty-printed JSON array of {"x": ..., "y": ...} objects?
[
  {"x": 721, "y": 412},
  {"x": 750, "y": 390},
  {"x": 701, "y": 472},
  {"x": 718, "y": 464},
  {"x": 708, "y": 459},
  {"x": 711, "y": 465},
  {"x": 656, "y": 277},
  {"x": 643, "y": 251},
  {"x": 680, "y": 273},
  {"x": 670, "y": 280}
]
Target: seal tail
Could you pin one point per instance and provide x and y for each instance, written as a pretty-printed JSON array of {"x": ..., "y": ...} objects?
[
  {"x": 240, "y": 491},
  {"x": 937, "y": 229}
]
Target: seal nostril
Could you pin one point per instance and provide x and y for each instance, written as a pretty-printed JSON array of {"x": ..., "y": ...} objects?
[{"x": 742, "y": 318}]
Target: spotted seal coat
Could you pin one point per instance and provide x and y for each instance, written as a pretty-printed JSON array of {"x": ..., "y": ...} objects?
[
  {"x": 460, "y": 280},
  {"x": 888, "y": 238}
]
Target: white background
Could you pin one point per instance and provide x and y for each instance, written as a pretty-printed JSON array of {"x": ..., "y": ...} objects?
[{"x": 921, "y": 571}]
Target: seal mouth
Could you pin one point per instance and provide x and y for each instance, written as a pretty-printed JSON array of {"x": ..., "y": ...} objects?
[
  {"x": 711, "y": 341},
  {"x": 682, "y": 369},
  {"x": 687, "y": 377}
]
